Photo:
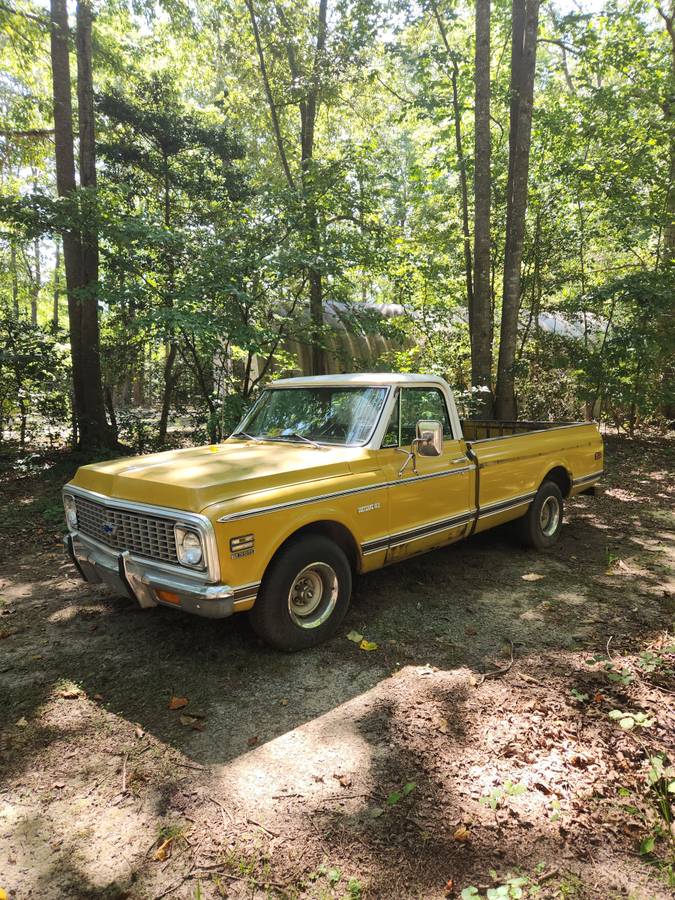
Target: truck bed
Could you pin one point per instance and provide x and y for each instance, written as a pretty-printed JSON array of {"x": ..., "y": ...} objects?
[{"x": 487, "y": 429}]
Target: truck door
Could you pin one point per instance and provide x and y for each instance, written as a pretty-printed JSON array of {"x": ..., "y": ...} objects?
[{"x": 434, "y": 506}]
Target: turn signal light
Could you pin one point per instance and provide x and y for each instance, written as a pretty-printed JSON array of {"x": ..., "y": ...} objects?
[{"x": 168, "y": 597}]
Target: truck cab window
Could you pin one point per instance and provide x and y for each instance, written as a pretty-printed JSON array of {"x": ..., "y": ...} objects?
[{"x": 422, "y": 403}]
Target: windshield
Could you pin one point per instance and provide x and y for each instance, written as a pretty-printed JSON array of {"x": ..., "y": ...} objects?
[{"x": 326, "y": 415}]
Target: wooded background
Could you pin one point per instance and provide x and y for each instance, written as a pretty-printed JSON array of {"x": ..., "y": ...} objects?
[{"x": 192, "y": 190}]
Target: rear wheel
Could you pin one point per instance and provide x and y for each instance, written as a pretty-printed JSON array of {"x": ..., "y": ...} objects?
[
  {"x": 304, "y": 595},
  {"x": 541, "y": 524}
]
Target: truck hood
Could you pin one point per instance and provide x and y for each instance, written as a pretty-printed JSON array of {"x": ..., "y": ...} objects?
[{"x": 193, "y": 478}]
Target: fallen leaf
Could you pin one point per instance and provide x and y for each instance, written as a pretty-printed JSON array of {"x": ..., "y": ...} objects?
[
  {"x": 22, "y": 722},
  {"x": 461, "y": 834},
  {"x": 283, "y": 702},
  {"x": 139, "y": 732},
  {"x": 367, "y": 645},
  {"x": 192, "y": 721},
  {"x": 59, "y": 785},
  {"x": 70, "y": 694},
  {"x": 376, "y": 812},
  {"x": 344, "y": 780},
  {"x": 449, "y": 886},
  {"x": 441, "y": 724},
  {"x": 470, "y": 631},
  {"x": 164, "y": 850},
  {"x": 598, "y": 697},
  {"x": 532, "y": 576},
  {"x": 252, "y": 741},
  {"x": 177, "y": 702},
  {"x": 355, "y": 637},
  {"x": 3, "y": 894}
]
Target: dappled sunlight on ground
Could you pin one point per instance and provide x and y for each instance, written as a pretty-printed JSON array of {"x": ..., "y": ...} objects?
[{"x": 391, "y": 767}]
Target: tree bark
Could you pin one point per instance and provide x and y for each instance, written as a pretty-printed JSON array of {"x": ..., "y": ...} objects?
[
  {"x": 65, "y": 185},
  {"x": 481, "y": 318},
  {"x": 523, "y": 59},
  {"x": 170, "y": 381},
  {"x": 308, "y": 113},
  {"x": 88, "y": 404},
  {"x": 57, "y": 284},
  {"x": 94, "y": 429},
  {"x": 669, "y": 114},
  {"x": 37, "y": 283},
  {"x": 14, "y": 277}
]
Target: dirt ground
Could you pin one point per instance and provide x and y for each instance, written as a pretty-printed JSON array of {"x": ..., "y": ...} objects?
[{"x": 399, "y": 772}]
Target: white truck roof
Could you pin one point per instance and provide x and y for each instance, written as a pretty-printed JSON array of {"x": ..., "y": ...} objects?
[{"x": 362, "y": 378}]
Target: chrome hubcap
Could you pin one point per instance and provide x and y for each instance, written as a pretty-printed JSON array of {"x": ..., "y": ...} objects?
[
  {"x": 313, "y": 595},
  {"x": 549, "y": 517}
]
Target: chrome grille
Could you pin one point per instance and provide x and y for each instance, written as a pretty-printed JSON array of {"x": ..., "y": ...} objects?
[{"x": 149, "y": 536}]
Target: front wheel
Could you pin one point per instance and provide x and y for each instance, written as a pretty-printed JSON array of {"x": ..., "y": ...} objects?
[
  {"x": 541, "y": 524},
  {"x": 304, "y": 595}
]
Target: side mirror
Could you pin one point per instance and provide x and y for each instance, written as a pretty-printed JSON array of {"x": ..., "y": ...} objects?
[{"x": 429, "y": 438}]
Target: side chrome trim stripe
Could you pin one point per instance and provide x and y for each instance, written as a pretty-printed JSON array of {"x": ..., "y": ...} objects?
[
  {"x": 246, "y": 591},
  {"x": 415, "y": 534},
  {"x": 593, "y": 477},
  {"x": 502, "y": 505},
  {"x": 431, "y": 528},
  {"x": 293, "y": 504}
]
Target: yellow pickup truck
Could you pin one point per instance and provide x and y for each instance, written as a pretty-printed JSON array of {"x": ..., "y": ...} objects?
[{"x": 325, "y": 477}]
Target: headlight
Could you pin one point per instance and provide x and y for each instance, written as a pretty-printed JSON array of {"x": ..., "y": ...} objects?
[
  {"x": 71, "y": 511},
  {"x": 189, "y": 547}
]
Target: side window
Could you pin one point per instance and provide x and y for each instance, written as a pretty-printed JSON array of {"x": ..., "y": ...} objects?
[
  {"x": 422, "y": 403},
  {"x": 390, "y": 438}
]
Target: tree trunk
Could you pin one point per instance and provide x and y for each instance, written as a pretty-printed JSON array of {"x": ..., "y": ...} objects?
[
  {"x": 523, "y": 58},
  {"x": 37, "y": 279},
  {"x": 94, "y": 429},
  {"x": 88, "y": 405},
  {"x": 65, "y": 184},
  {"x": 481, "y": 318},
  {"x": 170, "y": 381},
  {"x": 669, "y": 114},
  {"x": 15, "y": 278},
  {"x": 308, "y": 112},
  {"x": 57, "y": 284}
]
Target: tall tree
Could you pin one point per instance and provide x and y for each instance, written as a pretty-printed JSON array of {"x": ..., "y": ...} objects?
[
  {"x": 93, "y": 430},
  {"x": 481, "y": 314},
  {"x": 461, "y": 160},
  {"x": 524, "y": 26},
  {"x": 308, "y": 100},
  {"x": 668, "y": 16}
]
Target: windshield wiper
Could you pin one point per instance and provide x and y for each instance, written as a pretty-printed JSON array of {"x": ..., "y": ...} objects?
[
  {"x": 245, "y": 434},
  {"x": 295, "y": 437}
]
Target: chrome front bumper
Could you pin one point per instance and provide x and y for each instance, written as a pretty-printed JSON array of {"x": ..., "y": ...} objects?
[{"x": 140, "y": 579}]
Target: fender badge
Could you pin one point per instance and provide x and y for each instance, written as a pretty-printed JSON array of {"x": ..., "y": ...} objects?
[{"x": 369, "y": 507}]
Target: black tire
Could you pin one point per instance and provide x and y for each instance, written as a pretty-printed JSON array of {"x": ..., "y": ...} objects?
[
  {"x": 290, "y": 621},
  {"x": 541, "y": 524}
]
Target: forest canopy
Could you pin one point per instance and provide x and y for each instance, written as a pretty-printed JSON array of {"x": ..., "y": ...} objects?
[{"x": 198, "y": 197}]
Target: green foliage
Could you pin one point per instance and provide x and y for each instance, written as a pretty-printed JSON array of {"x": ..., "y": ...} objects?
[
  {"x": 630, "y": 720},
  {"x": 497, "y": 796},
  {"x": 205, "y": 246},
  {"x": 33, "y": 391}
]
